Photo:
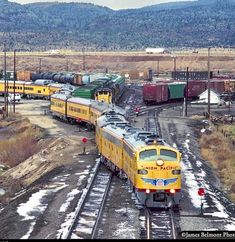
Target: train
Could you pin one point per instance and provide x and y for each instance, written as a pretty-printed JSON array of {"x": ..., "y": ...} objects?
[
  {"x": 108, "y": 88},
  {"x": 150, "y": 165},
  {"x": 166, "y": 91},
  {"x": 30, "y": 89}
]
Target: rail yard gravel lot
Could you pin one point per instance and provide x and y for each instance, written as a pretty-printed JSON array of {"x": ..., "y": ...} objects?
[{"x": 45, "y": 208}]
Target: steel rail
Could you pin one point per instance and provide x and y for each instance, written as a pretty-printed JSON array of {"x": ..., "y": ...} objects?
[
  {"x": 101, "y": 207},
  {"x": 173, "y": 230},
  {"x": 84, "y": 196},
  {"x": 148, "y": 223}
]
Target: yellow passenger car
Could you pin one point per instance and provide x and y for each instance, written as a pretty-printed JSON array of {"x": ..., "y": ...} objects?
[
  {"x": 79, "y": 109},
  {"x": 54, "y": 87},
  {"x": 58, "y": 105},
  {"x": 33, "y": 90},
  {"x": 96, "y": 110},
  {"x": 19, "y": 87}
]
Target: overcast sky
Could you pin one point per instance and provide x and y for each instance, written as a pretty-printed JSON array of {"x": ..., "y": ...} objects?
[{"x": 114, "y": 4}]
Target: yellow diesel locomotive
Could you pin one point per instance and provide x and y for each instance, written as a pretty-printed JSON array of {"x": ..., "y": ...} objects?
[{"x": 151, "y": 166}]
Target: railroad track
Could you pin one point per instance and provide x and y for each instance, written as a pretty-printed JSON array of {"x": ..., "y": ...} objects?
[
  {"x": 159, "y": 224},
  {"x": 88, "y": 215}
]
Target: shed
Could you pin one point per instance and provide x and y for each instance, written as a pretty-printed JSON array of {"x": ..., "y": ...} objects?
[{"x": 214, "y": 97}]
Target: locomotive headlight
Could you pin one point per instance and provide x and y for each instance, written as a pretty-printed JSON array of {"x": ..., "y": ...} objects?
[
  {"x": 142, "y": 172},
  {"x": 172, "y": 191},
  {"x": 176, "y": 172},
  {"x": 160, "y": 162}
]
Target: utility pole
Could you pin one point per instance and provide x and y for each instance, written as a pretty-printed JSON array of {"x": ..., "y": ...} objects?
[
  {"x": 83, "y": 59},
  {"x": 5, "y": 82},
  {"x": 174, "y": 58},
  {"x": 175, "y": 64},
  {"x": 14, "y": 86},
  {"x": 229, "y": 97},
  {"x": 40, "y": 65},
  {"x": 158, "y": 67},
  {"x": 67, "y": 65},
  {"x": 186, "y": 98},
  {"x": 209, "y": 85}
]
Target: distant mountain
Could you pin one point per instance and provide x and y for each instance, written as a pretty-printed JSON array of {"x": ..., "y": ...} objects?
[{"x": 42, "y": 26}]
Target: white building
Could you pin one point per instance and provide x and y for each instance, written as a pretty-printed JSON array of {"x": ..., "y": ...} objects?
[
  {"x": 156, "y": 51},
  {"x": 214, "y": 97}
]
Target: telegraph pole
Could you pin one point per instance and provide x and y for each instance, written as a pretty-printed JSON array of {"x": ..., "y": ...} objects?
[
  {"x": 229, "y": 97},
  {"x": 209, "y": 85},
  {"x": 175, "y": 64},
  {"x": 5, "y": 82},
  {"x": 174, "y": 58},
  {"x": 83, "y": 59},
  {"x": 14, "y": 86},
  {"x": 40, "y": 64},
  {"x": 158, "y": 67},
  {"x": 67, "y": 65},
  {"x": 186, "y": 99}
]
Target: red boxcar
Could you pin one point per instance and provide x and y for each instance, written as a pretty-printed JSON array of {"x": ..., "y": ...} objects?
[
  {"x": 155, "y": 93},
  {"x": 196, "y": 87},
  {"x": 217, "y": 85}
]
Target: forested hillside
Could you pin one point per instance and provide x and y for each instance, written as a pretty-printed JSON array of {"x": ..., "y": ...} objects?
[{"x": 42, "y": 26}]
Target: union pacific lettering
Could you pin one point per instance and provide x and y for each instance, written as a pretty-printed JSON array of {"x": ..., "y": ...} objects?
[{"x": 162, "y": 168}]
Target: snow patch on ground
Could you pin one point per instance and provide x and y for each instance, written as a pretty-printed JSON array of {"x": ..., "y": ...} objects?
[
  {"x": 203, "y": 130},
  {"x": 198, "y": 163},
  {"x": 30, "y": 230},
  {"x": 193, "y": 183},
  {"x": 124, "y": 231},
  {"x": 70, "y": 197},
  {"x": 81, "y": 161},
  {"x": 230, "y": 227},
  {"x": 35, "y": 206}
]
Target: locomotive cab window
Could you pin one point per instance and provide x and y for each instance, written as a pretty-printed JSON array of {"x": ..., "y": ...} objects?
[
  {"x": 148, "y": 155},
  {"x": 168, "y": 155}
]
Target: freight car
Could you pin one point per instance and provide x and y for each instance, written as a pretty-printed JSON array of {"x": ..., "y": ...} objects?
[
  {"x": 151, "y": 166},
  {"x": 72, "y": 78},
  {"x": 170, "y": 91}
]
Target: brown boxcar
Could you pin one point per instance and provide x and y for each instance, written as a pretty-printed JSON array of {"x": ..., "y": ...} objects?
[
  {"x": 217, "y": 85},
  {"x": 155, "y": 93},
  {"x": 23, "y": 75},
  {"x": 196, "y": 87},
  {"x": 229, "y": 85},
  {"x": 78, "y": 79}
]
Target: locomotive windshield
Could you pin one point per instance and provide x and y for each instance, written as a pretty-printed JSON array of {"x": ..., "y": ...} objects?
[
  {"x": 151, "y": 155},
  {"x": 168, "y": 155},
  {"x": 148, "y": 155}
]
